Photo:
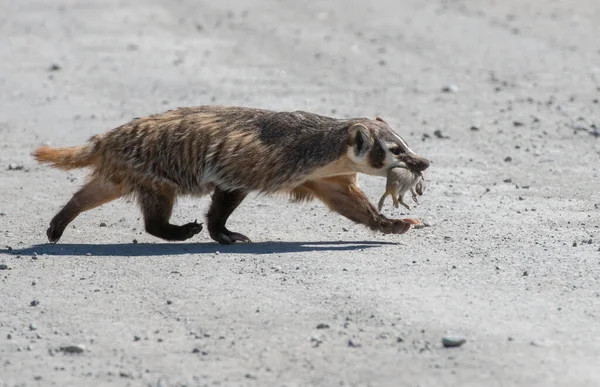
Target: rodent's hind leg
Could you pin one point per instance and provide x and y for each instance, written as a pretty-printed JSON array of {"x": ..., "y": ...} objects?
[
  {"x": 93, "y": 194},
  {"x": 157, "y": 206},
  {"x": 222, "y": 206}
]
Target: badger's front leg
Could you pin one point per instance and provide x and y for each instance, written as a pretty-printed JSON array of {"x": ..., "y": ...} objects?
[
  {"x": 222, "y": 205},
  {"x": 343, "y": 196}
]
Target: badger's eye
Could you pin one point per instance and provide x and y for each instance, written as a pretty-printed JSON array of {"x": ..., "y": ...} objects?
[{"x": 396, "y": 150}]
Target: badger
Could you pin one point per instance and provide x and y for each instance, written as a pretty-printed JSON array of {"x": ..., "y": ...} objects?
[{"x": 229, "y": 152}]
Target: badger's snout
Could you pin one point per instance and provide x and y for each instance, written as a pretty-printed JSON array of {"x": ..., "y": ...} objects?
[{"x": 417, "y": 163}]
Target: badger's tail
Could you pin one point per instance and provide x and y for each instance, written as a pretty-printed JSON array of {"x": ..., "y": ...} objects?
[{"x": 65, "y": 158}]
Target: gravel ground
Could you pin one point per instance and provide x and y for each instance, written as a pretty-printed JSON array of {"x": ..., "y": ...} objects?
[{"x": 502, "y": 96}]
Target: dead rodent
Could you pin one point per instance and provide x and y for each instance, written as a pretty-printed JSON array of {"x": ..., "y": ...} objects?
[
  {"x": 230, "y": 152},
  {"x": 399, "y": 181}
]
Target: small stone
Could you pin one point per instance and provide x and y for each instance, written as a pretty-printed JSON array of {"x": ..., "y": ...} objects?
[
  {"x": 136, "y": 338},
  {"x": 590, "y": 242},
  {"x": 474, "y": 129},
  {"x": 521, "y": 198},
  {"x": 34, "y": 303},
  {"x": 517, "y": 123},
  {"x": 9, "y": 336},
  {"x": 509, "y": 180},
  {"x": 169, "y": 302},
  {"x": 3, "y": 266},
  {"x": 195, "y": 350},
  {"x": 72, "y": 349},
  {"x": 352, "y": 344},
  {"x": 574, "y": 244},
  {"x": 32, "y": 326},
  {"x": 508, "y": 159},
  {"x": 344, "y": 229},
  {"x": 53, "y": 67},
  {"x": 322, "y": 326},
  {"x": 125, "y": 375},
  {"x": 438, "y": 134},
  {"x": 453, "y": 341},
  {"x": 399, "y": 340},
  {"x": 135, "y": 241},
  {"x": 15, "y": 167},
  {"x": 102, "y": 224},
  {"x": 525, "y": 273},
  {"x": 452, "y": 88}
]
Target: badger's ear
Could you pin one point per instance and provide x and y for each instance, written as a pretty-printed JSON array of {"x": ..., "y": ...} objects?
[{"x": 360, "y": 139}]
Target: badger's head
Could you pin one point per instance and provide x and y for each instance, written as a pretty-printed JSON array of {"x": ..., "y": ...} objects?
[{"x": 374, "y": 148}]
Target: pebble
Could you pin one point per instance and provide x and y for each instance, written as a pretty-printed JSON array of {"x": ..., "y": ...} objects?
[
  {"x": 34, "y": 303},
  {"x": 322, "y": 326},
  {"x": 32, "y": 326},
  {"x": 72, "y": 349},
  {"x": 9, "y": 336},
  {"x": 352, "y": 344},
  {"x": 453, "y": 341},
  {"x": 135, "y": 241},
  {"x": 438, "y": 134},
  {"x": 525, "y": 273},
  {"x": 195, "y": 350},
  {"x": 136, "y": 338},
  {"x": 15, "y": 167},
  {"x": 102, "y": 224},
  {"x": 54, "y": 67},
  {"x": 3, "y": 266},
  {"x": 508, "y": 159},
  {"x": 452, "y": 88}
]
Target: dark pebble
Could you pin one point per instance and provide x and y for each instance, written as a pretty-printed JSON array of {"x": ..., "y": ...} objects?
[
  {"x": 3, "y": 266},
  {"x": 74, "y": 349},
  {"x": 508, "y": 159},
  {"x": 352, "y": 344},
  {"x": 53, "y": 67},
  {"x": 34, "y": 303},
  {"x": 102, "y": 224},
  {"x": 453, "y": 341},
  {"x": 322, "y": 326}
]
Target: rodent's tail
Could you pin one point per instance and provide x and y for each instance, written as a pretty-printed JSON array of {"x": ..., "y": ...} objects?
[{"x": 65, "y": 158}]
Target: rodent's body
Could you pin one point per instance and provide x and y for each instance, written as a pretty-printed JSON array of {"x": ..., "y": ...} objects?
[
  {"x": 399, "y": 181},
  {"x": 231, "y": 151}
]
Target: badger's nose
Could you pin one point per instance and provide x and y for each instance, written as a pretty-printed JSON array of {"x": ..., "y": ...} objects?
[{"x": 418, "y": 163}]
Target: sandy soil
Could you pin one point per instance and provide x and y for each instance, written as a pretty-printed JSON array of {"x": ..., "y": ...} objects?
[{"x": 511, "y": 261}]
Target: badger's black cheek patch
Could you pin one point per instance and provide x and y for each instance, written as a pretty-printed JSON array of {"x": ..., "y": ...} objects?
[{"x": 377, "y": 155}]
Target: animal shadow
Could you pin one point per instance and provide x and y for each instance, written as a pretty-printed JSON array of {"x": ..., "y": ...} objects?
[{"x": 154, "y": 249}]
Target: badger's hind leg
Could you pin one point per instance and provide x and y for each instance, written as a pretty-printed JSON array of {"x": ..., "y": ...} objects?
[
  {"x": 222, "y": 206},
  {"x": 157, "y": 206},
  {"x": 93, "y": 194}
]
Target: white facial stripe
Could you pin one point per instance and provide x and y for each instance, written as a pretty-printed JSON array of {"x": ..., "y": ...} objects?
[{"x": 404, "y": 143}]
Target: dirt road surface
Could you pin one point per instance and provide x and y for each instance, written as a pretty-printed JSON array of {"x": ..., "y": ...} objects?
[{"x": 502, "y": 96}]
